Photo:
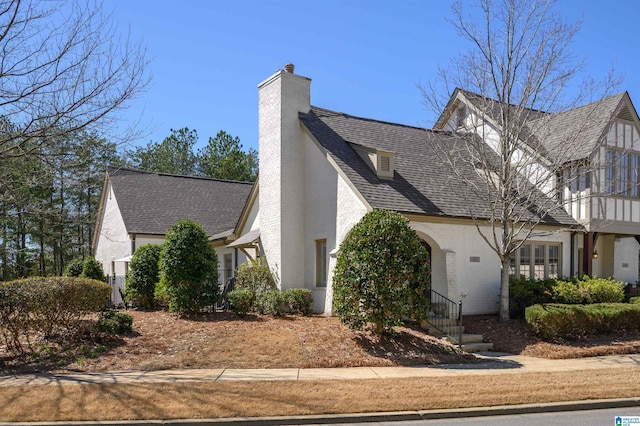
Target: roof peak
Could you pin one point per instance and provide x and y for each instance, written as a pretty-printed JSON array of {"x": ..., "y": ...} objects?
[
  {"x": 316, "y": 108},
  {"x": 117, "y": 169}
]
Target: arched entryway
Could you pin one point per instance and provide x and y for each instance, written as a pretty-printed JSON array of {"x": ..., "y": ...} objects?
[{"x": 437, "y": 259}]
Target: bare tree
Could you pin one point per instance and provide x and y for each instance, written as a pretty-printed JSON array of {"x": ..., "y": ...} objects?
[
  {"x": 515, "y": 126},
  {"x": 64, "y": 68}
]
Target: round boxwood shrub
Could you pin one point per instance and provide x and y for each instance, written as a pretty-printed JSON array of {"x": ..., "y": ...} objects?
[
  {"x": 92, "y": 269},
  {"x": 74, "y": 268},
  {"x": 143, "y": 275},
  {"x": 188, "y": 268},
  {"x": 382, "y": 273},
  {"x": 298, "y": 300},
  {"x": 270, "y": 302},
  {"x": 113, "y": 322}
]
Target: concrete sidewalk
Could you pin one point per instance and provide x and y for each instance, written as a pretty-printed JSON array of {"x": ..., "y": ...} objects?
[{"x": 494, "y": 364}]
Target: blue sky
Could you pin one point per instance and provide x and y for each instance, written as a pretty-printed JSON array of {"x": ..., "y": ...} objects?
[{"x": 364, "y": 57}]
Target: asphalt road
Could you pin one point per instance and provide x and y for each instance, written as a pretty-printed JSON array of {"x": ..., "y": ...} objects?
[{"x": 604, "y": 417}]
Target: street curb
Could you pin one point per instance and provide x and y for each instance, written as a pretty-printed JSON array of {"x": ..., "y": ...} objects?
[{"x": 501, "y": 410}]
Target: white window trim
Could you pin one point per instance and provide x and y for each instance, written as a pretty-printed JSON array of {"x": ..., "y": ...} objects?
[{"x": 546, "y": 244}]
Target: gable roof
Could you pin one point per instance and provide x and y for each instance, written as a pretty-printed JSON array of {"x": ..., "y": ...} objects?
[
  {"x": 582, "y": 126},
  {"x": 548, "y": 133},
  {"x": 151, "y": 202},
  {"x": 421, "y": 183}
]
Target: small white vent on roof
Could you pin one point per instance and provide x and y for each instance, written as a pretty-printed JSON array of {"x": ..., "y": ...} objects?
[
  {"x": 385, "y": 163},
  {"x": 380, "y": 161}
]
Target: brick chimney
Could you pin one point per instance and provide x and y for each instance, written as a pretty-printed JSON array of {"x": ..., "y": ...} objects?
[{"x": 281, "y": 98}]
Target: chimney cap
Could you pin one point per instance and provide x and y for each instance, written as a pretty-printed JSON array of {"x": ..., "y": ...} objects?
[{"x": 289, "y": 68}]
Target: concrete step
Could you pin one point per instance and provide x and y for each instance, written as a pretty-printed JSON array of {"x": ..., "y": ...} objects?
[
  {"x": 443, "y": 321},
  {"x": 450, "y": 330},
  {"x": 477, "y": 347},
  {"x": 466, "y": 338}
]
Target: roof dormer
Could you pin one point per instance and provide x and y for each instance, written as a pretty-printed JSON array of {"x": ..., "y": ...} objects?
[{"x": 379, "y": 160}]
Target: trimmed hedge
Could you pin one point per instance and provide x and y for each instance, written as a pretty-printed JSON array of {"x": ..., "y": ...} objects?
[
  {"x": 143, "y": 275},
  {"x": 382, "y": 274},
  {"x": 47, "y": 306},
  {"x": 587, "y": 290},
  {"x": 574, "y": 321}
]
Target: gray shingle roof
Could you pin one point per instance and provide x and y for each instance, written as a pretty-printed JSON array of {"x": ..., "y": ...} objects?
[
  {"x": 151, "y": 202},
  {"x": 567, "y": 136},
  {"x": 579, "y": 127},
  {"x": 422, "y": 184}
]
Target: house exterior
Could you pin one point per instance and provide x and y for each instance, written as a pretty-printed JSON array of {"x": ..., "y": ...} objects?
[
  {"x": 321, "y": 171},
  {"x": 137, "y": 208},
  {"x": 598, "y": 145}
]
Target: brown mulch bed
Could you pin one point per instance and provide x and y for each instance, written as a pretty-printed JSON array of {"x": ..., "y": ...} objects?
[
  {"x": 161, "y": 340},
  {"x": 515, "y": 337}
]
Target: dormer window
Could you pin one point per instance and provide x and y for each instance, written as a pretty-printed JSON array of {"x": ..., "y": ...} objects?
[{"x": 380, "y": 161}]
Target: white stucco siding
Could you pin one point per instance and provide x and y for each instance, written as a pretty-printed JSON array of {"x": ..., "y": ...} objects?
[
  {"x": 321, "y": 181},
  {"x": 253, "y": 218},
  {"x": 625, "y": 266},
  {"x": 113, "y": 240},
  {"x": 477, "y": 282},
  {"x": 148, "y": 239},
  {"x": 349, "y": 210}
]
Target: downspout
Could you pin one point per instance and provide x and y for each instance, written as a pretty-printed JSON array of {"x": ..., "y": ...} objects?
[{"x": 235, "y": 258}]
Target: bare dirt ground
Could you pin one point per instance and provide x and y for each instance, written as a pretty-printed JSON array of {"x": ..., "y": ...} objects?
[{"x": 161, "y": 340}]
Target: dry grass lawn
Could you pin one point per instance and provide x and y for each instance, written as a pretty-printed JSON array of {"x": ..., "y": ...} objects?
[{"x": 232, "y": 399}]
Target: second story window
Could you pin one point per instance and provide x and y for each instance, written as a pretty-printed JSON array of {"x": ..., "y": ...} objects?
[{"x": 621, "y": 173}]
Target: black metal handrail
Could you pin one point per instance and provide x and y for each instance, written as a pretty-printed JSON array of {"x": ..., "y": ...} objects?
[{"x": 446, "y": 315}]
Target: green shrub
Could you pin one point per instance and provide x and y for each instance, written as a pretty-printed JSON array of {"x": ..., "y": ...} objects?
[
  {"x": 635, "y": 300},
  {"x": 143, "y": 275},
  {"x": 586, "y": 290},
  {"x": 74, "y": 268},
  {"x": 603, "y": 290},
  {"x": 256, "y": 277},
  {"x": 47, "y": 306},
  {"x": 189, "y": 268},
  {"x": 92, "y": 269},
  {"x": 270, "y": 302},
  {"x": 525, "y": 292},
  {"x": 574, "y": 321},
  {"x": 382, "y": 273},
  {"x": 113, "y": 322},
  {"x": 298, "y": 301},
  {"x": 241, "y": 301},
  {"x": 569, "y": 292}
]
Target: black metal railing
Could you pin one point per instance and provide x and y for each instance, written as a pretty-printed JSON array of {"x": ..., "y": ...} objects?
[
  {"x": 446, "y": 316},
  {"x": 227, "y": 281}
]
